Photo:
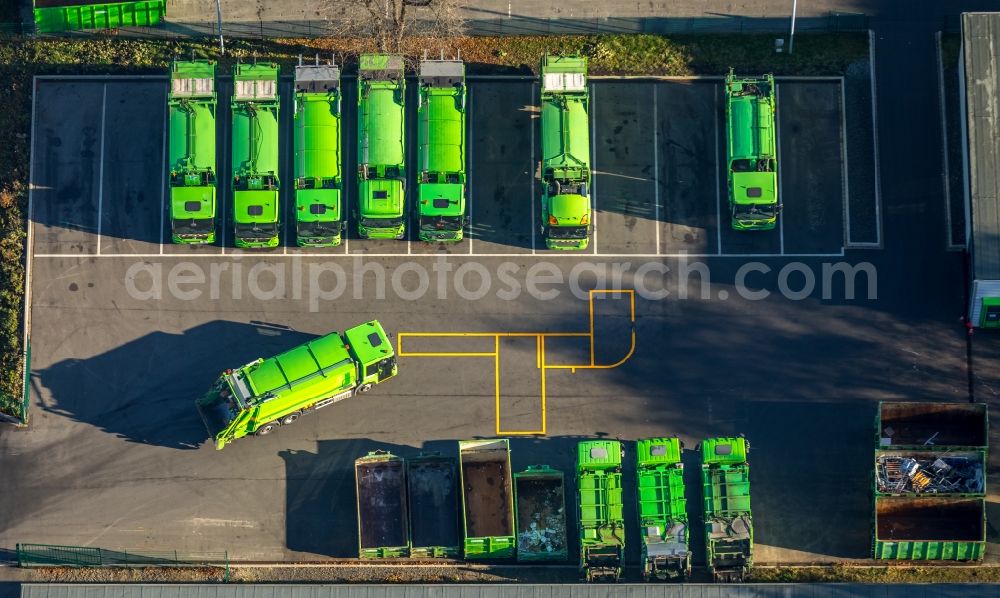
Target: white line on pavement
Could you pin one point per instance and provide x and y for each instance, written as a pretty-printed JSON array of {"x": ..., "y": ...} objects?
[
  {"x": 100, "y": 175},
  {"x": 656, "y": 171}
]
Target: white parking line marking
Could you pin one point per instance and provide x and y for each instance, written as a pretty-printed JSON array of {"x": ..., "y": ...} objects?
[
  {"x": 593, "y": 166},
  {"x": 777, "y": 155},
  {"x": 163, "y": 177},
  {"x": 622, "y": 256},
  {"x": 656, "y": 172},
  {"x": 718, "y": 189},
  {"x": 29, "y": 248},
  {"x": 468, "y": 163},
  {"x": 226, "y": 185},
  {"x": 531, "y": 168},
  {"x": 945, "y": 167},
  {"x": 878, "y": 171},
  {"x": 844, "y": 180},
  {"x": 100, "y": 175}
]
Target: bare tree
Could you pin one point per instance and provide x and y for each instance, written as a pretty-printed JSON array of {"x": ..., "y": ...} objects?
[{"x": 389, "y": 22}]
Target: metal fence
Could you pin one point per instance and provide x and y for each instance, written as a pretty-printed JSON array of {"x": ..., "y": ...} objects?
[
  {"x": 515, "y": 25},
  {"x": 50, "y": 555}
]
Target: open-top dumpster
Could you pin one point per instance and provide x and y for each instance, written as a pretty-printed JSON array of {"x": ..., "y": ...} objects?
[
  {"x": 541, "y": 514},
  {"x": 383, "y": 525},
  {"x": 487, "y": 499},
  {"x": 433, "y": 492}
]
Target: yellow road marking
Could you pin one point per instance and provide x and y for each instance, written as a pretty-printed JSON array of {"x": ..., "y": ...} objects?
[{"x": 539, "y": 354}]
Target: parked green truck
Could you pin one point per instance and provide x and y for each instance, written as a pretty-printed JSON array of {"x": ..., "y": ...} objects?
[
  {"x": 267, "y": 393},
  {"x": 565, "y": 170},
  {"x": 599, "y": 500},
  {"x": 751, "y": 158},
  {"x": 383, "y": 520},
  {"x": 441, "y": 153},
  {"x": 55, "y": 16},
  {"x": 255, "y": 106},
  {"x": 725, "y": 478},
  {"x": 432, "y": 481},
  {"x": 930, "y": 481},
  {"x": 663, "y": 521},
  {"x": 191, "y": 107},
  {"x": 487, "y": 499},
  {"x": 541, "y": 515},
  {"x": 319, "y": 180},
  {"x": 381, "y": 147}
]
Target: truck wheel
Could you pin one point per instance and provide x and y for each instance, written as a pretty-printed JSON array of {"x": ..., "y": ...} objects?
[
  {"x": 291, "y": 418},
  {"x": 266, "y": 429},
  {"x": 364, "y": 388}
]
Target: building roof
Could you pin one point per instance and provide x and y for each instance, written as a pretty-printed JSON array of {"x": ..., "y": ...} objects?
[
  {"x": 981, "y": 70},
  {"x": 502, "y": 591}
]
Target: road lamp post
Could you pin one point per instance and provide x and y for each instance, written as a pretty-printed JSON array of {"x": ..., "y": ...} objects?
[
  {"x": 791, "y": 36},
  {"x": 218, "y": 19}
]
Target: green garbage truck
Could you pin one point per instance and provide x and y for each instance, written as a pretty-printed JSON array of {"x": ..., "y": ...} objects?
[
  {"x": 433, "y": 492},
  {"x": 566, "y": 213},
  {"x": 725, "y": 478},
  {"x": 381, "y": 147},
  {"x": 255, "y": 105},
  {"x": 441, "y": 152},
  {"x": 267, "y": 393},
  {"x": 383, "y": 521},
  {"x": 541, "y": 514},
  {"x": 751, "y": 154},
  {"x": 599, "y": 499},
  {"x": 930, "y": 481},
  {"x": 191, "y": 107},
  {"x": 487, "y": 499},
  {"x": 663, "y": 521},
  {"x": 319, "y": 184}
]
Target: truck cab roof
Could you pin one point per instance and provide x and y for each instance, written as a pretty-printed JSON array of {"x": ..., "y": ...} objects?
[
  {"x": 381, "y": 197},
  {"x": 192, "y": 202},
  {"x": 569, "y": 208},
  {"x": 442, "y": 199},
  {"x": 317, "y": 205},
  {"x": 368, "y": 342},
  {"x": 754, "y": 187},
  {"x": 255, "y": 207}
]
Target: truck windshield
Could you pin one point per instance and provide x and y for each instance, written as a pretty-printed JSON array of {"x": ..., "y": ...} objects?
[
  {"x": 754, "y": 211},
  {"x": 218, "y": 414},
  {"x": 440, "y": 223},
  {"x": 191, "y": 226},
  {"x": 264, "y": 230},
  {"x": 381, "y": 222},
  {"x": 319, "y": 229},
  {"x": 568, "y": 232}
]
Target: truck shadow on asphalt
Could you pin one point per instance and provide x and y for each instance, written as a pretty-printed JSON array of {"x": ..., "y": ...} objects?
[{"x": 144, "y": 390}]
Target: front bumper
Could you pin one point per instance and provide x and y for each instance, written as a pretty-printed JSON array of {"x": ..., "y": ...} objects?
[
  {"x": 452, "y": 236},
  {"x": 381, "y": 233},
  {"x": 257, "y": 243}
]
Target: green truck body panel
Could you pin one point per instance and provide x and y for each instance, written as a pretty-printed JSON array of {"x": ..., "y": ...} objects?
[
  {"x": 487, "y": 499},
  {"x": 50, "y": 17},
  {"x": 599, "y": 500},
  {"x": 663, "y": 521},
  {"x": 191, "y": 107},
  {"x": 319, "y": 179},
  {"x": 751, "y": 159},
  {"x": 441, "y": 155},
  {"x": 566, "y": 211},
  {"x": 381, "y": 147},
  {"x": 929, "y": 484},
  {"x": 725, "y": 478},
  {"x": 251, "y": 399},
  {"x": 383, "y": 513},
  {"x": 433, "y": 497},
  {"x": 541, "y": 514},
  {"x": 255, "y": 107}
]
